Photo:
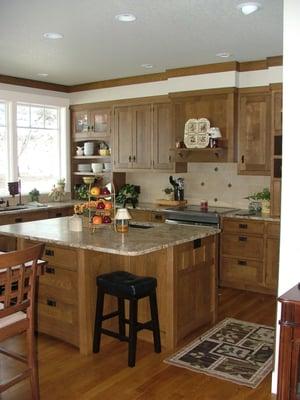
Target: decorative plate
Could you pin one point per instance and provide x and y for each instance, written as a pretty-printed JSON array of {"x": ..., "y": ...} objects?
[
  {"x": 191, "y": 126},
  {"x": 203, "y": 125},
  {"x": 191, "y": 140},
  {"x": 203, "y": 140}
]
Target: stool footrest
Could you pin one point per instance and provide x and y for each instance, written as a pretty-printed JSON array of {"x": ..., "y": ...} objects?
[
  {"x": 111, "y": 315},
  {"x": 115, "y": 335}
]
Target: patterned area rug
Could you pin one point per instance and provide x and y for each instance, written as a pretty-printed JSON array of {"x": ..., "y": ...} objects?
[{"x": 237, "y": 351}]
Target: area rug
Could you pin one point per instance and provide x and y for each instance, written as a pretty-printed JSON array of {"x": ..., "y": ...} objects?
[{"x": 237, "y": 351}]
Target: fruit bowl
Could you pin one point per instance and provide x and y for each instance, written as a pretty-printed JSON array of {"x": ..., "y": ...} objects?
[{"x": 88, "y": 180}]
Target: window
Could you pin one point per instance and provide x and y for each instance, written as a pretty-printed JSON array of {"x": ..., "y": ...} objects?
[
  {"x": 38, "y": 146},
  {"x": 3, "y": 148}
]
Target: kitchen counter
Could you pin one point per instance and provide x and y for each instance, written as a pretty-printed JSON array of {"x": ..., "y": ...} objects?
[
  {"x": 137, "y": 241},
  {"x": 46, "y": 206},
  {"x": 181, "y": 258},
  {"x": 243, "y": 214}
]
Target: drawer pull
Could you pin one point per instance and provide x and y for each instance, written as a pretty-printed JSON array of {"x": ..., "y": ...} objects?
[
  {"x": 50, "y": 270},
  {"x": 18, "y": 220},
  {"x": 51, "y": 303},
  {"x": 58, "y": 214},
  {"x": 49, "y": 252},
  {"x": 242, "y": 262},
  {"x": 243, "y": 226},
  {"x": 159, "y": 217},
  {"x": 243, "y": 239}
]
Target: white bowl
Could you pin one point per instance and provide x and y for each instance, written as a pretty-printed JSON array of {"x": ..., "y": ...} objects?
[
  {"x": 97, "y": 167},
  {"x": 107, "y": 166},
  {"x": 84, "y": 167}
]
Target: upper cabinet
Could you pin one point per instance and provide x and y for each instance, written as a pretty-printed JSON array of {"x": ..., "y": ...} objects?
[
  {"x": 143, "y": 138},
  {"x": 218, "y": 106},
  {"x": 90, "y": 123},
  {"x": 254, "y": 131}
]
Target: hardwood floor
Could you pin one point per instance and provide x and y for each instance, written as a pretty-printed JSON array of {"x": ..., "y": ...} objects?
[{"x": 66, "y": 375}]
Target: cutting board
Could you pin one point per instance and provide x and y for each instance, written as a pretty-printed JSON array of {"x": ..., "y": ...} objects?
[{"x": 171, "y": 203}]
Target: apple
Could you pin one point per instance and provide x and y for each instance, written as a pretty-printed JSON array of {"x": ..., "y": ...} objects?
[
  {"x": 106, "y": 219},
  {"x": 95, "y": 191},
  {"x": 105, "y": 191},
  {"x": 101, "y": 205},
  {"x": 97, "y": 219}
]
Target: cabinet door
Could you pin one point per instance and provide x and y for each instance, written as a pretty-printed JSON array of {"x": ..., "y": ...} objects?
[
  {"x": 272, "y": 262},
  {"x": 122, "y": 138},
  {"x": 80, "y": 122},
  {"x": 162, "y": 137},
  {"x": 141, "y": 136},
  {"x": 254, "y": 134},
  {"x": 100, "y": 122}
]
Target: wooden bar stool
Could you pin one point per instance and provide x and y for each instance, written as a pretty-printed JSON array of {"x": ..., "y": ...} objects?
[
  {"x": 18, "y": 273},
  {"x": 126, "y": 286}
]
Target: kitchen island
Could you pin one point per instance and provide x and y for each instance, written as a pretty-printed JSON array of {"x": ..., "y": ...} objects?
[{"x": 182, "y": 258}]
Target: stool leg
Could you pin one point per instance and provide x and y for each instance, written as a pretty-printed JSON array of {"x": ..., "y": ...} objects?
[
  {"x": 132, "y": 332},
  {"x": 121, "y": 308},
  {"x": 98, "y": 320},
  {"x": 155, "y": 321}
]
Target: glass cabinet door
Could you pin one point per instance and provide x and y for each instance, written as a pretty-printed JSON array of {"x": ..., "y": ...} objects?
[
  {"x": 81, "y": 122},
  {"x": 100, "y": 122}
]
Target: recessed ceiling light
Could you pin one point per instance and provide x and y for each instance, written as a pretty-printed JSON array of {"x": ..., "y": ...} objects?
[
  {"x": 147, "y": 66},
  {"x": 53, "y": 35},
  {"x": 249, "y": 7},
  {"x": 43, "y": 74},
  {"x": 223, "y": 54},
  {"x": 125, "y": 17}
]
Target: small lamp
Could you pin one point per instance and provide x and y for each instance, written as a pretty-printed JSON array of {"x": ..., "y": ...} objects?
[
  {"x": 214, "y": 134},
  {"x": 122, "y": 220}
]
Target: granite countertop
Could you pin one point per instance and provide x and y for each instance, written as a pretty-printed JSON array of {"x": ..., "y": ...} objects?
[
  {"x": 244, "y": 214},
  {"x": 136, "y": 242},
  {"x": 45, "y": 206}
]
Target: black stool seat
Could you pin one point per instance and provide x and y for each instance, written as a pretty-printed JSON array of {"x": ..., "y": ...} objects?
[{"x": 124, "y": 284}]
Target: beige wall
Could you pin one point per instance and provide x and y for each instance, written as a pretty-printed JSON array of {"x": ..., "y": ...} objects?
[{"x": 203, "y": 181}]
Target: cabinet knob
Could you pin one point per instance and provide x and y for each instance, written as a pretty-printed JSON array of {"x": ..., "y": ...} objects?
[
  {"x": 243, "y": 159},
  {"x": 18, "y": 220},
  {"x": 242, "y": 239},
  {"x": 133, "y": 158},
  {"x": 242, "y": 262},
  {"x": 49, "y": 252},
  {"x": 92, "y": 128},
  {"x": 243, "y": 226},
  {"x": 51, "y": 303},
  {"x": 170, "y": 158},
  {"x": 50, "y": 270},
  {"x": 129, "y": 158}
]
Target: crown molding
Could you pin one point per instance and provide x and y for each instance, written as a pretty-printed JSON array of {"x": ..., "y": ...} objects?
[{"x": 11, "y": 80}]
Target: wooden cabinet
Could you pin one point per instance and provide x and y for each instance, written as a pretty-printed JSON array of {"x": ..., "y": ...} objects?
[
  {"x": 254, "y": 131},
  {"x": 163, "y": 139},
  {"x": 219, "y": 107},
  {"x": 289, "y": 346},
  {"x": 276, "y": 148},
  {"x": 249, "y": 256},
  {"x": 147, "y": 215},
  {"x": 88, "y": 123}
]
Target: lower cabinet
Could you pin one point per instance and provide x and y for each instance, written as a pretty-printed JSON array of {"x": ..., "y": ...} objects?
[
  {"x": 249, "y": 255},
  {"x": 147, "y": 215}
]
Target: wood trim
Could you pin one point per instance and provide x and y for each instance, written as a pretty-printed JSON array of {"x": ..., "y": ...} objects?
[
  {"x": 276, "y": 86},
  {"x": 254, "y": 89},
  {"x": 202, "y": 92},
  {"x": 275, "y": 61},
  {"x": 202, "y": 69},
  {"x": 11, "y": 80},
  {"x": 252, "y": 65},
  {"x": 132, "y": 80}
]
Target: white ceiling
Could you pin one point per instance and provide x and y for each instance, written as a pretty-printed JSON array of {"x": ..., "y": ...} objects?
[{"x": 167, "y": 34}]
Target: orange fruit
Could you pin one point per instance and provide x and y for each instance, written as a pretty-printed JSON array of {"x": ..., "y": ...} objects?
[
  {"x": 97, "y": 219},
  {"x": 108, "y": 205}
]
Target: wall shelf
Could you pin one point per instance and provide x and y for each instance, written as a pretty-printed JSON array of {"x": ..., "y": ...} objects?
[
  {"x": 103, "y": 158},
  {"x": 217, "y": 154},
  {"x": 91, "y": 173}
]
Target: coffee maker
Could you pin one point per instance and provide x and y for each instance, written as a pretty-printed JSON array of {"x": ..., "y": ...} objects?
[{"x": 178, "y": 185}]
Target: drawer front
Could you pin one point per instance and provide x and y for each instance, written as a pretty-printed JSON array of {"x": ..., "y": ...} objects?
[
  {"x": 246, "y": 226},
  {"x": 58, "y": 319},
  {"x": 60, "y": 256},
  {"x": 158, "y": 217},
  {"x": 140, "y": 215},
  {"x": 61, "y": 212},
  {"x": 242, "y": 246},
  {"x": 241, "y": 270},
  {"x": 22, "y": 217},
  {"x": 273, "y": 229},
  {"x": 62, "y": 284}
]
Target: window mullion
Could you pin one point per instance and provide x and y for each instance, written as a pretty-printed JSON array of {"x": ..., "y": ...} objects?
[{"x": 12, "y": 143}]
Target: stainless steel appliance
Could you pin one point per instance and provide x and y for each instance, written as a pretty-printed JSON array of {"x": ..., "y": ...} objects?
[
  {"x": 178, "y": 185},
  {"x": 194, "y": 215}
]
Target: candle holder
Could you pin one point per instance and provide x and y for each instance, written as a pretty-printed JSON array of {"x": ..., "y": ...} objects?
[{"x": 122, "y": 219}]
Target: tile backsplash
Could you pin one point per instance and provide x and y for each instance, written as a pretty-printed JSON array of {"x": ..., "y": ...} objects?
[{"x": 218, "y": 183}]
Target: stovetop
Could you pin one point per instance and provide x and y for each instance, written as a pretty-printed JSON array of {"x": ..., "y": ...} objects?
[
  {"x": 194, "y": 213},
  {"x": 198, "y": 210}
]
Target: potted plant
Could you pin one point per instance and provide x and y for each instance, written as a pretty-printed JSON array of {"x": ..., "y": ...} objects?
[
  {"x": 34, "y": 195},
  {"x": 260, "y": 201}
]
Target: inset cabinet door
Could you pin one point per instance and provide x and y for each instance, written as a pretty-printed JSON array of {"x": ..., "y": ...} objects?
[
  {"x": 123, "y": 137},
  {"x": 141, "y": 136},
  {"x": 80, "y": 121},
  {"x": 272, "y": 263},
  {"x": 100, "y": 122},
  {"x": 254, "y": 134},
  {"x": 162, "y": 136}
]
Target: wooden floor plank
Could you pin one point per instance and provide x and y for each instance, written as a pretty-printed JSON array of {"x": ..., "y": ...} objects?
[{"x": 67, "y": 375}]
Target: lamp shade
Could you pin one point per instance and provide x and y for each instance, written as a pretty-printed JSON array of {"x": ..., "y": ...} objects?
[
  {"x": 122, "y": 213},
  {"x": 214, "y": 132}
]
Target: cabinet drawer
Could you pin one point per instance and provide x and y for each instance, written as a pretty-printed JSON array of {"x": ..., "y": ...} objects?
[
  {"x": 59, "y": 283},
  {"x": 273, "y": 228},
  {"x": 241, "y": 270},
  {"x": 243, "y": 226},
  {"x": 140, "y": 215},
  {"x": 60, "y": 256},
  {"x": 242, "y": 246},
  {"x": 61, "y": 212},
  {"x": 58, "y": 319}
]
